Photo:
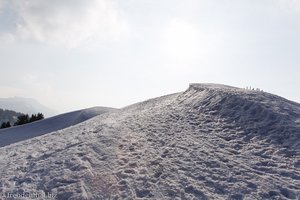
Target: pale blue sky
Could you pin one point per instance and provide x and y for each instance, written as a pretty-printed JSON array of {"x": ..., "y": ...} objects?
[{"x": 72, "y": 54}]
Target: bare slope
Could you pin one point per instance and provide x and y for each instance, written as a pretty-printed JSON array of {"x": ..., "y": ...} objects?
[
  {"x": 209, "y": 142},
  {"x": 27, "y": 131}
]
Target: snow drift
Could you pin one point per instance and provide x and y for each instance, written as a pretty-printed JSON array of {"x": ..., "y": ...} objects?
[
  {"x": 27, "y": 131},
  {"x": 208, "y": 142}
]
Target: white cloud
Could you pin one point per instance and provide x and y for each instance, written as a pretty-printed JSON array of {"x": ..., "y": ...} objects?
[{"x": 68, "y": 23}]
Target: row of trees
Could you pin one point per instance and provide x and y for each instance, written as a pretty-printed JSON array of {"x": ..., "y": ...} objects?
[{"x": 24, "y": 119}]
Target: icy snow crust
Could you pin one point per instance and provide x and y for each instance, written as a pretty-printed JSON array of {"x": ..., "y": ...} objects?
[
  {"x": 19, "y": 133},
  {"x": 209, "y": 142}
]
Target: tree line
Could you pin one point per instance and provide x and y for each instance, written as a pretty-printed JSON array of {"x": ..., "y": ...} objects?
[{"x": 23, "y": 119}]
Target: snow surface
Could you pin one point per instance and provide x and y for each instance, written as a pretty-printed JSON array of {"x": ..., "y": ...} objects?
[
  {"x": 27, "y": 131},
  {"x": 208, "y": 142}
]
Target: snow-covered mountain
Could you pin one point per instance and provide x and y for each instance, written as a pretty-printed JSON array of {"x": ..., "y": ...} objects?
[
  {"x": 208, "y": 142},
  {"x": 26, "y": 105},
  {"x": 41, "y": 127}
]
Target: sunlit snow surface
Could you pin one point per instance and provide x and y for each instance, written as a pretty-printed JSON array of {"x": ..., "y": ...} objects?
[
  {"x": 27, "y": 131},
  {"x": 208, "y": 142}
]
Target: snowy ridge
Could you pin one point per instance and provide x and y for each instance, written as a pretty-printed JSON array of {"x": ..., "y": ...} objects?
[
  {"x": 208, "y": 142},
  {"x": 211, "y": 86},
  {"x": 27, "y": 131},
  {"x": 274, "y": 117}
]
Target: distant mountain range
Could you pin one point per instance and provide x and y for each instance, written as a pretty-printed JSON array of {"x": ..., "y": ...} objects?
[{"x": 26, "y": 105}]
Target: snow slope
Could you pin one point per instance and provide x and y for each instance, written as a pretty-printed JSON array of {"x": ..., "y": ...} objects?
[
  {"x": 27, "y": 131},
  {"x": 208, "y": 142}
]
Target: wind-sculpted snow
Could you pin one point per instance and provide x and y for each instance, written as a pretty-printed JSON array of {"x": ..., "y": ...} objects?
[
  {"x": 19, "y": 133},
  {"x": 209, "y": 142}
]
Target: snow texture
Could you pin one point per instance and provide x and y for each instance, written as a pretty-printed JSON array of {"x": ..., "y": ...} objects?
[
  {"x": 208, "y": 142},
  {"x": 27, "y": 131}
]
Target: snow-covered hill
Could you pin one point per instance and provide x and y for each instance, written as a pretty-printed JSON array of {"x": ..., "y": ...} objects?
[
  {"x": 27, "y": 131},
  {"x": 208, "y": 142}
]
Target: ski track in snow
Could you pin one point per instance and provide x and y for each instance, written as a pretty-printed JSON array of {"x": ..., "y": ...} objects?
[{"x": 209, "y": 142}]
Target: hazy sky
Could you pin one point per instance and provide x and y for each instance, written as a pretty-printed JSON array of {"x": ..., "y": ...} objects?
[{"x": 73, "y": 54}]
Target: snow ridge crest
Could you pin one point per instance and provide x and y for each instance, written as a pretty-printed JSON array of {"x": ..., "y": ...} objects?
[{"x": 211, "y": 86}]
